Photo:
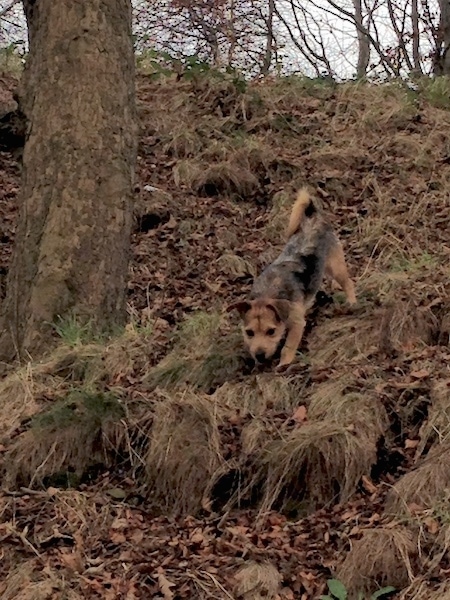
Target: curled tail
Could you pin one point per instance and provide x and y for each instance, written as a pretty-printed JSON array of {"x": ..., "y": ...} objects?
[{"x": 303, "y": 207}]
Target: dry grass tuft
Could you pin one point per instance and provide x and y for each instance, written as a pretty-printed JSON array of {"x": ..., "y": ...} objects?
[
  {"x": 381, "y": 557},
  {"x": 260, "y": 393},
  {"x": 205, "y": 355},
  {"x": 184, "y": 453},
  {"x": 406, "y": 325},
  {"x": 56, "y": 418},
  {"x": 398, "y": 311},
  {"x": 257, "y": 581},
  {"x": 224, "y": 178},
  {"x": 63, "y": 440},
  {"x": 260, "y": 398},
  {"x": 28, "y": 582},
  {"x": 424, "y": 487},
  {"x": 27, "y": 390},
  {"x": 183, "y": 142},
  {"x": 343, "y": 339},
  {"x": 128, "y": 354},
  {"x": 436, "y": 429},
  {"x": 19, "y": 399},
  {"x": 236, "y": 266},
  {"x": 324, "y": 458},
  {"x": 422, "y": 589}
]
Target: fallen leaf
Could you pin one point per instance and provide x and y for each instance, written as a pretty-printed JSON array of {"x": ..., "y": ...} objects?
[
  {"x": 119, "y": 523},
  {"x": 368, "y": 485},
  {"x": 137, "y": 536},
  {"x": 415, "y": 508},
  {"x": 197, "y": 538},
  {"x": 411, "y": 443},
  {"x": 300, "y": 414},
  {"x": 164, "y": 586},
  {"x": 73, "y": 561},
  {"x": 432, "y": 525},
  {"x": 117, "y": 493},
  {"x": 171, "y": 223},
  {"x": 117, "y": 537},
  {"x": 420, "y": 374}
]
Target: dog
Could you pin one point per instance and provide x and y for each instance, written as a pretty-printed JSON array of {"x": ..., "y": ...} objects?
[{"x": 274, "y": 315}]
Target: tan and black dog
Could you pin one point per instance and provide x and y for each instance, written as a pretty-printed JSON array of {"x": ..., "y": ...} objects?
[{"x": 274, "y": 314}]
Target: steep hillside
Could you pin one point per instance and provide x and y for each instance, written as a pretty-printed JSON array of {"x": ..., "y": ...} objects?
[{"x": 160, "y": 463}]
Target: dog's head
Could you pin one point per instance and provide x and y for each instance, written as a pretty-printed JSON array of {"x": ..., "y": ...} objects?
[{"x": 264, "y": 325}]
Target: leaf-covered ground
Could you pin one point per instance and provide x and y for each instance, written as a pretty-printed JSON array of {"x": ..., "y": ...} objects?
[{"x": 160, "y": 464}]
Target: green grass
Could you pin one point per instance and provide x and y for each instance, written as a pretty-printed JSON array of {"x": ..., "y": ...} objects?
[{"x": 338, "y": 591}]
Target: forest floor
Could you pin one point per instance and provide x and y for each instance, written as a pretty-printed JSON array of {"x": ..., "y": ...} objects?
[{"x": 160, "y": 463}]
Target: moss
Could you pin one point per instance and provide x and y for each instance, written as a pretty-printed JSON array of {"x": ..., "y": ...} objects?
[{"x": 81, "y": 408}]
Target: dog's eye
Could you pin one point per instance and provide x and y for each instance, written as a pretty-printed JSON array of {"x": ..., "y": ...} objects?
[
  {"x": 249, "y": 332},
  {"x": 270, "y": 332}
]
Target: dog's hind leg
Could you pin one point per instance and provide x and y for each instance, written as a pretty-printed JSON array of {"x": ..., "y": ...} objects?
[
  {"x": 296, "y": 327},
  {"x": 336, "y": 268}
]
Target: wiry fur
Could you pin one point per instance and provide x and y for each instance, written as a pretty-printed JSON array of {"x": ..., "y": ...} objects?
[{"x": 286, "y": 289}]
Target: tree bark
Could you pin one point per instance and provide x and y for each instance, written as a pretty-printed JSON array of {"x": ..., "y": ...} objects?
[
  {"x": 363, "y": 42},
  {"x": 442, "y": 52},
  {"x": 269, "y": 39},
  {"x": 415, "y": 38},
  {"x": 73, "y": 236}
]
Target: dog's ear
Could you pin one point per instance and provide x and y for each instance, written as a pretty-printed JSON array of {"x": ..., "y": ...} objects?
[
  {"x": 242, "y": 307},
  {"x": 281, "y": 308}
]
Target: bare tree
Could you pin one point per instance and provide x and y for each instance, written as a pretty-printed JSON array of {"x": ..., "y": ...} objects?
[
  {"x": 363, "y": 42},
  {"x": 71, "y": 252},
  {"x": 417, "y": 66},
  {"x": 270, "y": 39},
  {"x": 223, "y": 33},
  {"x": 441, "y": 63}
]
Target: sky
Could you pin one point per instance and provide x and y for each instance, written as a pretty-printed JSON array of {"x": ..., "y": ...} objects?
[{"x": 318, "y": 17}]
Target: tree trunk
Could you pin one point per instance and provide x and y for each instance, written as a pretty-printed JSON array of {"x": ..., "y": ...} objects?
[
  {"x": 415, "y": 38},
  {"x": 269, "y": 39},
  {"x": 363, "y": 42},
  {"x": 442, "y": 51},
  {"x": 72, "y": 244}
]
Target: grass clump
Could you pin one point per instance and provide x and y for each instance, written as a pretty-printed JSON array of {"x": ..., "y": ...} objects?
[
  {"x": 62, "y": 441},
  {"x": 73, "y": 332},
  {"x": 324, "y": 457},
  {"x": 423, "y": 487},
  {"x": 27, "y": 582},
  {"x": 258, "y": 581},
  {"x": 380, "y": 558},
  {"x": 80, "y": 409},
  {"x": 436, "y": 429},
  {"x": 205, "y": 355},
  {"x": 436, "y": 91},
  {"x": 184, "y": 452}
]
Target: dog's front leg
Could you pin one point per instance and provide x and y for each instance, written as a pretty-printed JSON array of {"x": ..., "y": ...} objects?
[{"x": 296, "y": 328}]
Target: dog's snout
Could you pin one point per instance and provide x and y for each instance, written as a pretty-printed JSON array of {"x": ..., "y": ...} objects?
[{"x": 260, "y": 356}]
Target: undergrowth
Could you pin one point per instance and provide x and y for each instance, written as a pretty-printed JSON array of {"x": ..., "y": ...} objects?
[{"x": 173, "y": 407}]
